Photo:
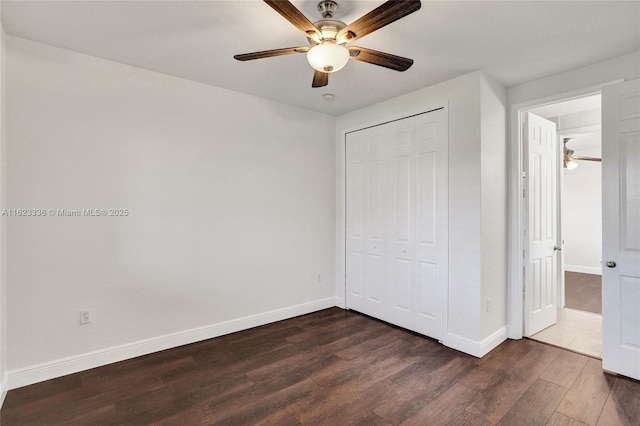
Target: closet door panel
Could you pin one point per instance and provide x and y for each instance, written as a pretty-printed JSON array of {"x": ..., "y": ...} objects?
[
  {"x": 431, "y": 223},
  {"x": 375, "y": 222},
  {"x": 400, "y": 224},
  {"x": 355, "y": 219},
  {"x": 425, "y": 291}
]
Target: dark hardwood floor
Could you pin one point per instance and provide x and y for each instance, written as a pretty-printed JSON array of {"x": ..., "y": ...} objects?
[
  {"x": 583, "y": 292},
  {"x": 333, "y": 367}
]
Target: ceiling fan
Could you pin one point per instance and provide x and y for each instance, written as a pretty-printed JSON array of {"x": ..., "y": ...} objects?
[
  {"x": 569, "y": 160},
  {"x": 327, "y": 51}
]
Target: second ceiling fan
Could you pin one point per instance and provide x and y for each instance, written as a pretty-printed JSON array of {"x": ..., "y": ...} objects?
[
  {"x": 569, "y": 160},
  {"x": 327, "y": 51}
]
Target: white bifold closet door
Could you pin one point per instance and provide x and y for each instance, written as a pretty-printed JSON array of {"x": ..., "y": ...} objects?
[{"x": 396, "y": 222}]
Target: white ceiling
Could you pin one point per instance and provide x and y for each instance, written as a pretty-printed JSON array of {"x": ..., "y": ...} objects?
[
  {"x": 514, "y": 41},
  {"x": 586, "y": 103}
]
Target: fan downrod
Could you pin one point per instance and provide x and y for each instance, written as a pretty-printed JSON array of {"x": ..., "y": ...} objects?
[{"x": 327, "y": 8}]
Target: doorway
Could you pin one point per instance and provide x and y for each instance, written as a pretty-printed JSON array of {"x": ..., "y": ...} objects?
[{"x": 578, "y": 212}]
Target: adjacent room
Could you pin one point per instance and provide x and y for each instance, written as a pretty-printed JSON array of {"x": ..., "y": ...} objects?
[{"x": 319, "y": 212}]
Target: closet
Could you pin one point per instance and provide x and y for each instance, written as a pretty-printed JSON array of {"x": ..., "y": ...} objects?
[{"x": 397, "y": 222}]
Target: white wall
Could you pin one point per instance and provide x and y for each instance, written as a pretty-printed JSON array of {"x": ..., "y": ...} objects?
[
  {"x": 493, "y": 159},
  {"x": 231, "y": 201},
  {"x": 582, "y": 215},
  {"x": 466, "y": 183},
  {"x": 627, "y": 66}
]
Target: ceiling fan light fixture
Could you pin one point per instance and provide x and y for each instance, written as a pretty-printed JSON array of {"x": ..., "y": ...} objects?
[
  {"x": 328, "y": 57},
  {"x": 570, "y": 165},
  {"x": 328, "y": 36}
]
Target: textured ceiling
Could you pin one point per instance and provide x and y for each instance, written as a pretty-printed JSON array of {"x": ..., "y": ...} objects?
[{"x": 514, "y": 41}]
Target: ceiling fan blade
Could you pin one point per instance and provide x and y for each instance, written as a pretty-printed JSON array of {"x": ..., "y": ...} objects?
[
  {"x": 382, "y": 15},
  {"x": 382, "y": 59},
  {"x": 293, "y": 15},
  {"x": 320, "y": 79},
  {"x": 586, "y": 158},
  {"x": 270, "y": 53}
]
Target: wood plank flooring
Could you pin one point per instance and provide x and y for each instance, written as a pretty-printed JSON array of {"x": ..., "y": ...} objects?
[
  {"x": 583, "y": 292},
  {"x": 333, "y": 367}
]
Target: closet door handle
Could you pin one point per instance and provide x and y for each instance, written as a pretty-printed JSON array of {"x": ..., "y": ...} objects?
[
  {"x": 611, "y": 263},
  {"x": 557, "y": 248}
]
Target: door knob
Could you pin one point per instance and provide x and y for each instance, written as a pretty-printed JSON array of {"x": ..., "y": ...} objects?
[
  {"x": 610, "y": 263},
  {"x": 557, "y": 248}
]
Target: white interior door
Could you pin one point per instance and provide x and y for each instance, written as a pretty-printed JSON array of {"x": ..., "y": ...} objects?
[
  {"x": 541, "y": 269},
  {"x": 621, "y": 228},
  {"x": 431, "y": 224},
  {"x": 396, "y": 222},
  {"x": 401, "y": 205},
  {"x": 366, "y": 251}
]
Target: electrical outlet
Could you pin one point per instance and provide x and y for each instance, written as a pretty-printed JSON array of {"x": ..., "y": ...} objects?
[
  {"x": 319, "y": 278},
  {"x": 488, "y": 304},
  {"x": 85, "y": 316}
]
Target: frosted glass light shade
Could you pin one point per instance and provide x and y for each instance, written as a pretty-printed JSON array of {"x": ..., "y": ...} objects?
[
  {"x": 572, "y": 165},
  {"x": 328, "y": 57}
]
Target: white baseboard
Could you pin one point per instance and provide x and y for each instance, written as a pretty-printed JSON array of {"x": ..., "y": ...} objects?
[
  {"x": 61, "y": 367},
  {"x": 477, "y": 348},
  {"x": 3, "y": 389},
  {"x": 583, "y": 269}
]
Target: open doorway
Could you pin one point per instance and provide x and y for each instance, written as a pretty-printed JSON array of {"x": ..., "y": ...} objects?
[{"x": 578, "y": 325}]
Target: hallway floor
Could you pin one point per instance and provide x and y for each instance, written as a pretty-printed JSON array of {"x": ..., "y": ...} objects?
[{"x": 577, "y": 331}]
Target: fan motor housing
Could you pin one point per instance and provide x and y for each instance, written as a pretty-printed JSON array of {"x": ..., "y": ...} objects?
[{"x": 329, "y": 29}]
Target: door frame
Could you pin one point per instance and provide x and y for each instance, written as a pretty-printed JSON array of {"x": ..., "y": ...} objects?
[{"x": 517, "y": 214}]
